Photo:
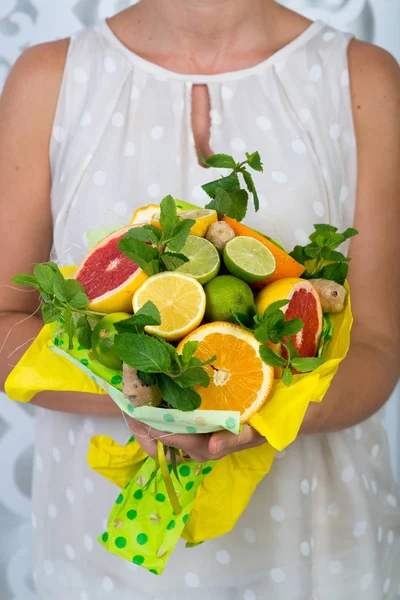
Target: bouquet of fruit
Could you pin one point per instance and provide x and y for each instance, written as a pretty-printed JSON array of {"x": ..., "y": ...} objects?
[{"x": 192, "y": 322}]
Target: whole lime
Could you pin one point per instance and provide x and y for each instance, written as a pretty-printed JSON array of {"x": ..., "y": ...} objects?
[
  {"x": 225, "y": 296},
  {"x": 103, "y": 340}
]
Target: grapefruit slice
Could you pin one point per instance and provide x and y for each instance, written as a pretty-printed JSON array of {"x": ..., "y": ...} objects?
[
  {"x": 286, "y": 266},
  {"x": 239, "y": 379},
  {"x": 304, "y": 304},
  {"x": 109, "y": 277},
  {"x": 180, "y": 299}
]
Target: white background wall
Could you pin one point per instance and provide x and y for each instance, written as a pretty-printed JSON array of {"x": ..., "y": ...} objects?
[{"x": 26, "y": 22}]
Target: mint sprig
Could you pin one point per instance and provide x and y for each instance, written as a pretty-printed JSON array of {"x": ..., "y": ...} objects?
[
  {"x": 321, "y": 254},
  {"x": 63, "y": 300},
  {"x": 146, "y": 245},
  {"x": 228, "y": 198},
  {"x": 158, "y": 362},
  {"x": 272, "y": 327}
]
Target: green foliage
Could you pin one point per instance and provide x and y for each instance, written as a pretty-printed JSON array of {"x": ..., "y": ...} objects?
[
  {"x": 272, "y": 327},
  {"x": 146, "y": 245},
  {"x": 227, "y": 196},
  {"x": 63, "y": 300},
  {"x": 321, "y": 253},
  {"x": 158, "y": 362}
]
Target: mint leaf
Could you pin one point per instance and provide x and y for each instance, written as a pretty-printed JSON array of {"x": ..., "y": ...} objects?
[
  {"x": 147, "y": 233},
  {"x": 142, "y": 352},
  {"x": 336, "y": 256},
  {"x": 274, "y": 307},
  {"x": 325, "y": 229},
  {"x": 168, "y": 217},
  {"x": 222, "y": 202},
  {"x": 59, "y": 289},
  {"x": 251, "y": 187},
  {"x": 271, "y": 358},
  {"x": 50, "y": 313},
  {"x": 45, "y": 277},
  {"x": 177, "y": 397},
  {"x": 188, "y": 351},
  {"x": 220, "y": 161},
  {"x": 145, "y": 256},
  {"x": 75, "y": 294},
  {"x": 173, "y": 260},
  {"x": 25, "y": 279},
  {"x": 148, "y": 314},
  {"x": 84, "y": 333},
  {"x": 245, "y": 321},
  {"x": 312, "y": 250},
  {"x": 239, "y": 205},
  {"x": 193, "y": 376},
  {"x": 350, "y": 232},
  {"x": 149, "y": 379},
  {"x": 179, "y": 234},
  {"x": 287, "y": 376},
  {"x": 261, "y": 333},
  {"x": 229, "y": 184},
  {"x": 335, "y": 272},
  {"x": 299, "y": 254},
  {"x": 304, "y": 365},
  {"x": 292, "y": 327},
  {"x": 254, "y": 161}
]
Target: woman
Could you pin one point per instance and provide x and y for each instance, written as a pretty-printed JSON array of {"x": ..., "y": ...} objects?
[{"x": 93, "y": 127}]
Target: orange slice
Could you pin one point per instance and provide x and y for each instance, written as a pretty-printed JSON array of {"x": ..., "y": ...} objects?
[
  {"x": 239, "y": 379},
  {"x": 286, "y": 266}
]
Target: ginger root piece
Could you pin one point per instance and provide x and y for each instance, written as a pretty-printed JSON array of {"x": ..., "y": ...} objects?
[
  {"x": 331, "y": 294},
  {"x": 219, "y": 234},
  {"x": 136, "y": 391}
]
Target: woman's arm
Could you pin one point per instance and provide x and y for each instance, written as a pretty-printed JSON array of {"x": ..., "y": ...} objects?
[
  {"x": 27, "y": 108},
  {"x": 369, "y": 374}
]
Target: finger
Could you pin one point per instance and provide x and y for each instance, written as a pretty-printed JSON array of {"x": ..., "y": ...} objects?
[
  {"x": 223, "y": 441},
  {"x": 187, "y": 442}
]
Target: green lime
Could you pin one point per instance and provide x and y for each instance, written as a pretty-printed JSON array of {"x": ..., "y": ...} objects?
[
  {"x": 248, "y": 259},
  {"x": 225, "y": 296},
  {"x": 103, "y": 340},
  {"x": 204, "y": 261}
]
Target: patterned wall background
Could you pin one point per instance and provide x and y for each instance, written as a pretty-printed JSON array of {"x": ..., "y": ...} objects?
[{"x": 27, "y": 22}]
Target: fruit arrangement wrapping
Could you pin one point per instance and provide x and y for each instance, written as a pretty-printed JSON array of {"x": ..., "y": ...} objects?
[{"x": 192, "y": 322}]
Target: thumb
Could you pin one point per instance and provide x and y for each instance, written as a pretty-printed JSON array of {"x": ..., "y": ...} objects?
[{"x": 225, "y": 440}]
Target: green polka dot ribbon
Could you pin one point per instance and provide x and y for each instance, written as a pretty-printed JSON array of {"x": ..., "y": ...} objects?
[{"x": 151, "y": 512}]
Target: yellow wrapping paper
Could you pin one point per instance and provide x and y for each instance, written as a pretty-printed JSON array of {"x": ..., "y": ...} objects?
[{"x": 224, "y": 493}]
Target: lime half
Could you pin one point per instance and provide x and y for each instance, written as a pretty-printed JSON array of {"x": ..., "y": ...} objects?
[
  {"x": 204, "y": 261},
  {"x": 248, "y": 259}
]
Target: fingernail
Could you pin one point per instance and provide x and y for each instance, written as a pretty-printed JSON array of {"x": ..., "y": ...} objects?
[{"x": 219, "y": 445}]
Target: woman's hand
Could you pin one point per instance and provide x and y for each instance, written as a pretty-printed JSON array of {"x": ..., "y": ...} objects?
[{"x": 199, "y": 447}]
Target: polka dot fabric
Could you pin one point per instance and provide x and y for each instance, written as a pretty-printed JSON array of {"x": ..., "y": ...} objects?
[{"x": 325, "y": 523}]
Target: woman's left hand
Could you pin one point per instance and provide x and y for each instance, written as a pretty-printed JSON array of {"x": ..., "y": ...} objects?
[{"x": 199, "y": 447}]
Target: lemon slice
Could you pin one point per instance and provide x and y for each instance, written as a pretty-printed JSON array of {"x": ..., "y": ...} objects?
[
  {"x": 144, "y": 214},
  {"x": 204, "y": 217},
  {"x": 179, "y": 298}
]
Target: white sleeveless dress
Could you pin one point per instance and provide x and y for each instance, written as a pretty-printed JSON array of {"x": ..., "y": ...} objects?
[{"x": 325, "y": 523}]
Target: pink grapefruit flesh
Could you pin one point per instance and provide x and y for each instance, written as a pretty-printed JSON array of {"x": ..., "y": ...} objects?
[{"x": 109, "y": 277}]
